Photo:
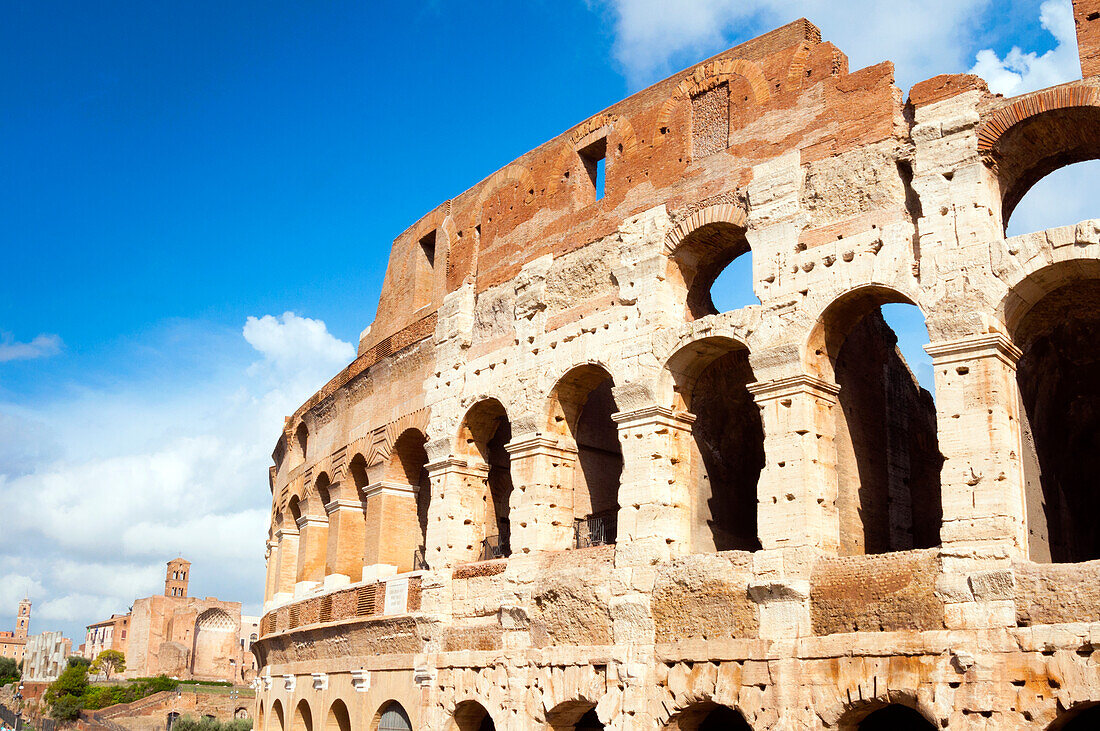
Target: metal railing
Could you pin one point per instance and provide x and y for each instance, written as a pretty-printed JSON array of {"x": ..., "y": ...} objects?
[
  {"x": 598, "y": 529},
  {"x": 420, "y": 563},
  {"x": 495, "y": 547}
]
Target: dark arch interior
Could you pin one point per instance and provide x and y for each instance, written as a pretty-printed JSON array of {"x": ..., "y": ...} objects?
[
  {"x": 895, "y": 718},
  {"x": 589, "y": 722},
  {"x": 600, "y": 462},
  {"x": 1088, "y": 718},
  {"x": 709, "y": 717},
  {"x": 487, "y": 431},
  {"x": 1059, "y": 381},
  {"x": 729, "y": 444},
  {"x": 888, "y": 458},
  {"x": 701, "y": 257},
  {"x": 472, "y": 716}
]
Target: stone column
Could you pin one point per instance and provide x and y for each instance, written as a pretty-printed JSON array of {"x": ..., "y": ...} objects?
[
  {"x": 541, "y": 507},
  {"x": 288, "y": 562},
  {"x": 797, "y": 490},
  {"x": 456, "y": 513},
  {"x": 271, "y": 581},
  {"x": 655, "y": 490},
  {"x": 346, "y": 536},
  {"x": 392, "y": 530},
  {"x": 978, "y": 416},
  {"x": 312, "y": 547}
]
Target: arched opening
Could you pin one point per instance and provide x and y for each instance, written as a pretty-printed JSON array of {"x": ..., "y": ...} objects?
[
  {"x": 704, "y": 257},
  {"x": 894, "y": 718},
  {"x": 277, "y": 716},
  {"x": 484, "y": 432},
  {"x": 574, "y": 716},
  {"x": 295, "y": 508},
  {"x": 399, "y": 506},
  {"x": 173, "y": 716},
  {"x": 260, "y": 717},
  {"x": 581, "y": 409},
  {"x": 887, "y": 448},
  {"x": 1057, "y": 200},
  {"x": 338, "y": 717},
  {"x": 711, "y": 378},
  {"x": 303, "y": 718},
  {"x": 392, "y": 717},
  {"x": 301, "y": 440},
  {"x": 708, "y": 717},
  {"x": 1078, "y": 718},
  {"x": 1038, "y": 145},
  {"x": 1056, "y": 324},
  {"x": 321, "y": 484},
  {"x": 472, "y": 716},
  {"x": 241, "y": 713}
]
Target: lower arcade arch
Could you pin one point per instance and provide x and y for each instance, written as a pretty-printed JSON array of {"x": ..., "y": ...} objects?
[
  {"x": 303, "y": 717},
  {"x": 472, "y": 716},
  {"x": 708, "y": 717},
  {"x": 1055, "y": 322},
  {"x": 711, "y": 378},
  {"x": 392, "y": 717},
  {"x": 276, "y": 722},
  {"x": 893, "y": 717},
  {"x": 888, "y": 460},
  {"x": 581, "y": 408},
  {"x": 261, "y": 717},
  {"x": 338, "y": 717}
]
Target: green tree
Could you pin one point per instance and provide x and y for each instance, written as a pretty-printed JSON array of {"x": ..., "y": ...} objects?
[
  {"x": 73, "y": 681},
  {"x": 9, "y": 670},
  {"x": 107, "y": 662},
  {"x": 66, "y": 708},
  {"x": 75, "y": 660}
]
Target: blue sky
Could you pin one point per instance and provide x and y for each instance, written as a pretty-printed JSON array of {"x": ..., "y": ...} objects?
[{"x": 198, "y": 200}]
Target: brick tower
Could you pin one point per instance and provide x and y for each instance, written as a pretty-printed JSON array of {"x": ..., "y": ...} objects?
[
  {"x": 22, "y": 622},
  {"x": 175, "y": 580}
]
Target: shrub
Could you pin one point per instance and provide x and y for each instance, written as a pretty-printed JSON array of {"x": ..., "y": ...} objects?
[{"x": 66, "y": 708}]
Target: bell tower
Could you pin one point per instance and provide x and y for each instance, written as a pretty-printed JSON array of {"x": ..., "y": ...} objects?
[
  {"x": 175, "y": 580},
  {"x": 23, "y": 621}
]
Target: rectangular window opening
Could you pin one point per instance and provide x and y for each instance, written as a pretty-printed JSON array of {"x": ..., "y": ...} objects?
[
  {"x": 594, "y": 158},
  {"x": 427, "y": 245}
]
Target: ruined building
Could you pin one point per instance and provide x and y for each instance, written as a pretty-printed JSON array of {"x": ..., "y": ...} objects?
[{"x": 558, "y": 489}]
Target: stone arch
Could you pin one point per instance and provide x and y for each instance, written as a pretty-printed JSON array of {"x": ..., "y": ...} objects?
[
  {"x": 708, "y": 716},
  {"x": 885, "y": 716},
  {"x": 580, "y": 415},
  {"x": 711, "y": 377},
  {"x": 708, "y": 76},
  {"x": 481, "y": 440},
  {"x": 391, "y": 716},
  {"x": 699, "y": 249},
  {"x": 470, "y": 715},
  {"x": 338, "y": 718},
  {"x": 577, "y": 715},
  {"x": 1052, "y": 317},
  {"x": 318, "y": 494},
  {"x": 1035, "y": 135},
  {"x": 402, "y": 496},
  {"x": 277, "y": 715},
  {"x": 848, "y": 712},
  {"x": 886, "y": 438},
  {"x": 261, "y": 717},
  {"x": 303, "y": 717},
  {"x": 1078, "y": 717}
]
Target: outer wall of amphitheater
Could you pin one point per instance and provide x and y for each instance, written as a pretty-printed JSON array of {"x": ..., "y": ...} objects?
[{"x": 559, "y": 489}]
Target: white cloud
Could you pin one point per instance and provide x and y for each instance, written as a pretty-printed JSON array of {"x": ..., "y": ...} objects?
[
  {"x": 654, "y": 38},
  {"x": 113, "y": 482},
  {"x": 1020, "y": 72},
  {"x": 43, "y": 346},
  {"x": 1060, "y": 199}
]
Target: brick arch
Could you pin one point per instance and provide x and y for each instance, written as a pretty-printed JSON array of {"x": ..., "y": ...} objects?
[
  {"x": 722, "y": 213},
  {"x": 511, "y": 175},
  {"x": 623, "y": 135},
  {"x": 796, "y": 72},
  {"x": 707, "y": 77},
  {"x": 1037, "y": 134}
]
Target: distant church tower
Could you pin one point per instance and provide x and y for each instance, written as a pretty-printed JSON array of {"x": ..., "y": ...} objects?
[
  {"x": 175, "y": 581},
  {"x": 22, "y": 622}
]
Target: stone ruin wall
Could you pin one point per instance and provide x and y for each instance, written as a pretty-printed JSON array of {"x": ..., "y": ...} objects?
[{"x": 792, "y": 528}]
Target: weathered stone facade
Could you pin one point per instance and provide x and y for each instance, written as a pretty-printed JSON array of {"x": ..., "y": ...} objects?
[{"x": 558, "y": 489}]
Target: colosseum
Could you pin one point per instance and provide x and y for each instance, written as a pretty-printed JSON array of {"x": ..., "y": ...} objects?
[{"x": 558, "y": 489}]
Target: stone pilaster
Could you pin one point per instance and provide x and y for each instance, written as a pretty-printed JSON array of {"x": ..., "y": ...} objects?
[
  {"x": 456, "y": 513},
  {"x": 271, "y": 580},
  {"x": 392, "y": 530},
  {"x": 655, "y": 490},
  {"x": 541, "y": 509},
  {"x": 312, "y": 548},
  {"x": 346, "y": 536},
  {"x": 288, "y": 561},
  {"x": 797, "y": 490}
]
